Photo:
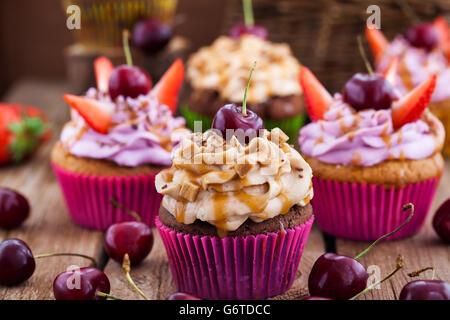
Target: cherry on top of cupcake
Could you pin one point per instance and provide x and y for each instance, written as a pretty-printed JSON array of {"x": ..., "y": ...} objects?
[
  {"x": 234, "y": 117},
  {"x": 128, "y": 82},
  {"x": 425, "y": 35},
  {"x": 249, "y": 26},
  {"x": 369, "y": 91}
]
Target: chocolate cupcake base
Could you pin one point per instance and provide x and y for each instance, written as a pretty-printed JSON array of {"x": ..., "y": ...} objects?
[{"x": 296, "y": 216}]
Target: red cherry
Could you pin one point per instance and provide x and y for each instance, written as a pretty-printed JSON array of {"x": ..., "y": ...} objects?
[
  {"x": 81, "y": 284},
  {"x": 17, "y": 263},
  {"x": 364, "y": 91},
  {"x": 132, "y": 237},
  {"x": 129, "y": 81},
  {"x": 441, "y": 221},
  {"x": 14, "y": 208},
  {"x": 151, "y": 35},
  {"x": 240, "y": 29},
  {"x": 337, "y": 277},
  {"x": 182, "y": 296},
  {"x": 424, "y": 35},
  {"x": 230, "y": 117},
  {"x": 426, "y": 290}
]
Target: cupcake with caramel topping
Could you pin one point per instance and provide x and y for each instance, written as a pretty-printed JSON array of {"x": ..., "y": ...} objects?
[
  {"x": 240, "y": 212},
  {"x": 217, "y": 76},
  {"x": 114, "y": 145},
  {"x": 235, "y": 213},
  {"x": 372, "y": 150}
]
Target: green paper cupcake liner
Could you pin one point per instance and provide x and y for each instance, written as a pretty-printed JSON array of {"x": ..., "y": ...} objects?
[{"x": 289, "y": 126}]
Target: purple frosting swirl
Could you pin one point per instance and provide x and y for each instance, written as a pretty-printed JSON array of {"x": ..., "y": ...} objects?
[
  {"x": 367, "y": 137},
  {"x": 143, "y": 132},
  {"x": 420, "y": 65}
]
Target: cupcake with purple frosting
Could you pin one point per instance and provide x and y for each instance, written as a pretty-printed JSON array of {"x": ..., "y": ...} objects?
[
  {"x": 423, "y": 50},
  {"x": 372, "y": 150},
  {"x": 113, "y": 147}
]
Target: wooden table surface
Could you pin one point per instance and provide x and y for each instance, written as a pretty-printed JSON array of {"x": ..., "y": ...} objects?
[{"x": 49, "y": 229}]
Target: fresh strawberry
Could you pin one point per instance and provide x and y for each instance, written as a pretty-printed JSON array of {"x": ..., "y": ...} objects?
[
  {"x": 411, "y": 106},
  {"x": 96, "y": 114},
  {"x": 168, "y": 87},
  {"x": 22, "y": 130},
  {"x": 377, "y": 42},
  {"x": 316, "y": 96},
  {"x": 390, "y": 74},
  {"x": 103, "y": 69},
  {"x": 442, "y": 26}
]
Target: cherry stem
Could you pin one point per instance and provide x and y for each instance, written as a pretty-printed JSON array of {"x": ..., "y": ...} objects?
[
  {"x": 48, "y": 255},
  {"x": 107, "y": 295},
  {"x": 406, "y": 207},
  {"x": 408, "y": 11},
  {"x": 126, "y": 266},
  {"x": 418, "y": 272},
  {"x": 118, "y": 205},
  {"x": 244, "y": 101},
  {"x": 126, "y": 47},
  {"x": 363, "y": 55},
  {"x": 248, "y": 13},
  {"x": 399, "y": 265}
]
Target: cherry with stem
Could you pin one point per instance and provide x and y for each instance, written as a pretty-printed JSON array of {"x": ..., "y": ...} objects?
[
  {"x": 425, "y": 289},
  {"x": 128, "y": 80},
  {"x": 134, "y": 238},
  {"x": 341, "y": 277},
  {"x": 233, "y": 117}
]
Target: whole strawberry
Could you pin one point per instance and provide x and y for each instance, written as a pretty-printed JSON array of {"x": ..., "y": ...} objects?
[{"x": 22, "y": 130}]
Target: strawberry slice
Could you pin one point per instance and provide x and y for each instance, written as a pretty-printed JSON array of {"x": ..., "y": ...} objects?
[
  {"x": 442, "y": 26},
  {"x": 103, "y": 69},
  {"x": 411, "y": 106},
  {"x": 97, "y": 114},
  {"x": 169, "y": 85},
  {"x": 390, "y": 74},
  {"x": 377, "y": 42},
  {"x": 317, "y": 98}
]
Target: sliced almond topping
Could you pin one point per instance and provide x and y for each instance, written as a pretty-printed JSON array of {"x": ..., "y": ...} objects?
[
  {"x": 189, "y": 191},
  {"x": 278, "y": 136}
]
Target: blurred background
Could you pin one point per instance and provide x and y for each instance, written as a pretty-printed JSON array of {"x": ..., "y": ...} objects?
[{"x": 35, "y": 42}]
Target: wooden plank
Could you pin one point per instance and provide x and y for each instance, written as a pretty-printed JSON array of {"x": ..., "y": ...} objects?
[
  {"x": 49, "y": 228},
  {"x": 154, "y": 278},
  {"x": 422, "y": 250}
]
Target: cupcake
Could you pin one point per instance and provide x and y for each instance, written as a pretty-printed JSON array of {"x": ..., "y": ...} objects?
[
  {"x": 119, "y": 137},
  {"x": 235, "y": 213},
  {"x": 217, "y": 75},
  {"x": 372, "y": 150},
  {"x": 424, "y": 50}
]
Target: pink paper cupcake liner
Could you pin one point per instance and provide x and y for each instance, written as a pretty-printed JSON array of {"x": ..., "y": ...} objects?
[
  {"x": 87, "y": 198},
  {"x": 367, "y": 211},
  {"x": 251, "y": 267}
]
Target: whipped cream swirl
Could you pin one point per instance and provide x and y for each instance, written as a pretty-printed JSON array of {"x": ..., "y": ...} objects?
[
  {"x": 367, "y": 137},
  {"x": 224, "y": 67},
  {"x": 142, "y": 132},
  {"x": 226, "y": 183}
]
